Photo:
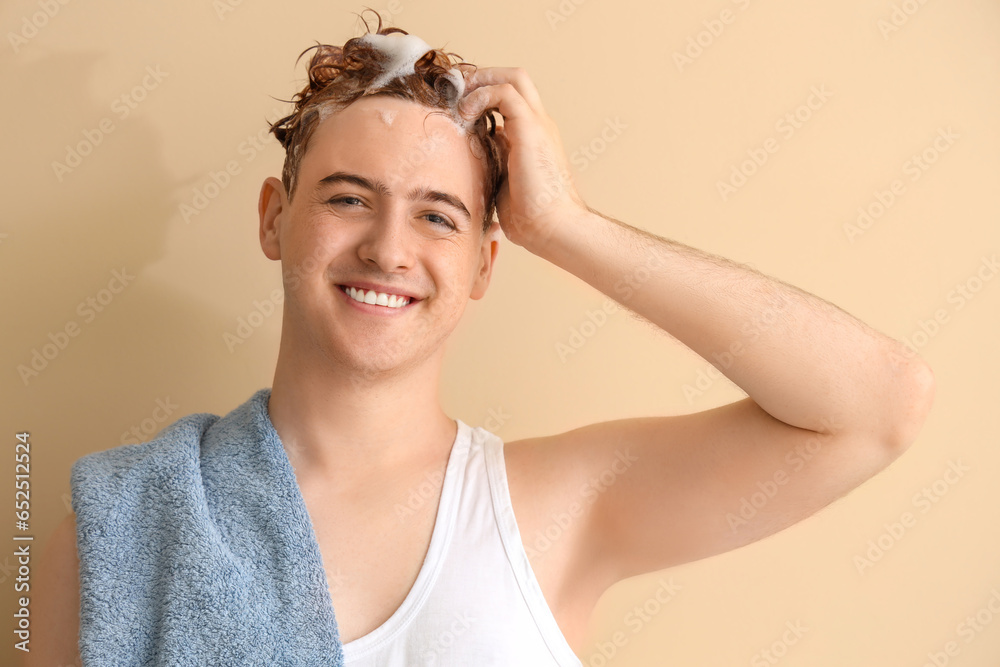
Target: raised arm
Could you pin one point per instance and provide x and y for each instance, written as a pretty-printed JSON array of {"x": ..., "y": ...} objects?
[{"x": 803, "y": 360}]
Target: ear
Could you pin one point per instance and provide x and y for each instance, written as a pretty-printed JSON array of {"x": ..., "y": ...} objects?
[
  {"x": 271, "y": 207},
  {"x": 487, "y": 258}
]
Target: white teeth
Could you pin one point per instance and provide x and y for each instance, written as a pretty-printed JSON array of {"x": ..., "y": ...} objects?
[{"x": 377, "y": 298}]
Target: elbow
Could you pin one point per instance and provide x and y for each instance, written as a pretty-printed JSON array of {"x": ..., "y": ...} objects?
[{"x": 915, "y": 397}]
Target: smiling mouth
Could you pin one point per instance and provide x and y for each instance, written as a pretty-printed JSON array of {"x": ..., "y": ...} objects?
[{"x": 371, "y": 297}]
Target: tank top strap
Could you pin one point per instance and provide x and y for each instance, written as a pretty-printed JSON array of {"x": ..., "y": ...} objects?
[{"x": 496, "y": 470}]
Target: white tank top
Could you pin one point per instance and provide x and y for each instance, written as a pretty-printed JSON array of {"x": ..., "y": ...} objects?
[{"x": 475, "y": 600}]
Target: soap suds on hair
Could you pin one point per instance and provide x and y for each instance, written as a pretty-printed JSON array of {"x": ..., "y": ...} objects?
[{"x": 402, "y": 53}]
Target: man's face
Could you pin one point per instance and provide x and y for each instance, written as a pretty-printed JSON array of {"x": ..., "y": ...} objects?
[{"x": 341, "y": 231}]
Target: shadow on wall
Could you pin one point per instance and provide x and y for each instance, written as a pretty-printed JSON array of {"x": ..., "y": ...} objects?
[{"x": 95, "y": 348}]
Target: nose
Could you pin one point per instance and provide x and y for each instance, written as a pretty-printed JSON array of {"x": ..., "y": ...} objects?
[{"x": 387, "y": 242}]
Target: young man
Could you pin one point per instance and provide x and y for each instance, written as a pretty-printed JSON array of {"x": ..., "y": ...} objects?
[{"x": 385, "y": 253}]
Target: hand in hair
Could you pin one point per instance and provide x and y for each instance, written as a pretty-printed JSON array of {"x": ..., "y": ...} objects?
[{"x": 538, "y": 193}]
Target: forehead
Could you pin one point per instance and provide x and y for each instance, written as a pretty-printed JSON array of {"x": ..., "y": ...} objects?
[{"x": 396, "y": 140}]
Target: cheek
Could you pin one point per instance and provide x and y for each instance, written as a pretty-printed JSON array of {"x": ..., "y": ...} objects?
[
  {"x": 307, "y": 258},
  {"x": 451, "y": 283}
]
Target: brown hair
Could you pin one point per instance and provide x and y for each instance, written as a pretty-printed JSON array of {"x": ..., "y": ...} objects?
[{"x": 338, "y": 76}]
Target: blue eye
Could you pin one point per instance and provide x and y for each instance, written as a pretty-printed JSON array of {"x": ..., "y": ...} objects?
[
  {"x": 343, "y": 200},
  {"x": 443, "y": 220},
  {"x": 338, "y": 200}
]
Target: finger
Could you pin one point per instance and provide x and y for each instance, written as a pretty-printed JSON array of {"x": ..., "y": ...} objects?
[
  {"x": 515, "y": 76},
  {"x": 503, "y": 97}
]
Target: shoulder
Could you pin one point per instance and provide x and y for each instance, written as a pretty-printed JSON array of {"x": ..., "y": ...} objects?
[
  {"x": 119, "y": 478},
  {"x": 177, "y": 441},
  {"x": 570, "y": 466}
]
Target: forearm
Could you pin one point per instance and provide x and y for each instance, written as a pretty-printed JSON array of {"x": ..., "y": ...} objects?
[{"x": 803, "y": 360}]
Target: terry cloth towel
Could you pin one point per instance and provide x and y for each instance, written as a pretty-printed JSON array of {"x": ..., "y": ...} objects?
[{"x": 196, "y": 548}]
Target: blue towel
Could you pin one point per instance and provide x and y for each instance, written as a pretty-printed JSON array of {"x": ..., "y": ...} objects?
[{"x": 196, "y": 548}]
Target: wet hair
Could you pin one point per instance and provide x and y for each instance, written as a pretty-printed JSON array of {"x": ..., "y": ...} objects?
[{"x": 339, "y": 76}]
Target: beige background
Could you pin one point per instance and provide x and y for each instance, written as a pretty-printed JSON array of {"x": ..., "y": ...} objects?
[{"x": 685, "y": 127}]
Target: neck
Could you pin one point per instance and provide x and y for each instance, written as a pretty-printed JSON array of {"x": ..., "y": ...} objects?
[{"x": 345, "y": 428}]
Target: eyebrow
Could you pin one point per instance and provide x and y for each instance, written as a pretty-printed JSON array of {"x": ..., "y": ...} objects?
[{"x": 381, "y": 189}]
